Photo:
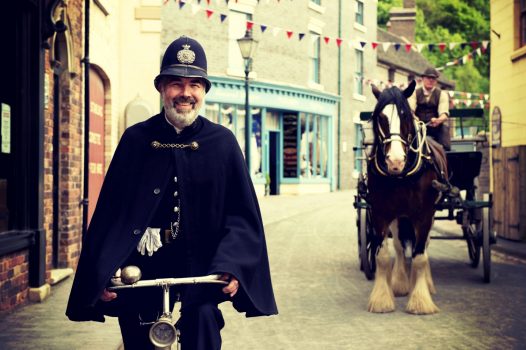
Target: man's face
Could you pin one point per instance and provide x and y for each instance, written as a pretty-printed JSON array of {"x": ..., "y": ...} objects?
[
  {"x": 182, "y": 99},
  {"x": 429, "y": 82}
]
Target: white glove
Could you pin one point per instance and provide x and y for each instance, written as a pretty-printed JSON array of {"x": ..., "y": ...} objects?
[{"x": 150, "y": 241}]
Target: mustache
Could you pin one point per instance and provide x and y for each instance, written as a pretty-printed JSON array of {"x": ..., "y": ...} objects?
[{"x": 184, "y": 99}]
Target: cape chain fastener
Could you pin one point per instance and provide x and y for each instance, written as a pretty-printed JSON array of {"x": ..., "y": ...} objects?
[{"x": 193, "y": 145}]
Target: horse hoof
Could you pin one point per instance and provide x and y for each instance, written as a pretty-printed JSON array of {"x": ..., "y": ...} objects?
[{"x": 381, "y": 308}]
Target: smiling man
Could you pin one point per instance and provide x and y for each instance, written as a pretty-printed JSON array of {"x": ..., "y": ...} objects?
[{"x": 177, "y": 201}]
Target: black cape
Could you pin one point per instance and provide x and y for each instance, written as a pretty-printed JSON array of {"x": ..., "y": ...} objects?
[{"x": 221, "y": 220}]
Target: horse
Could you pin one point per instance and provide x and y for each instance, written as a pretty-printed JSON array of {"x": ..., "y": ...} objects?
[{"x": 400, "y": 174}]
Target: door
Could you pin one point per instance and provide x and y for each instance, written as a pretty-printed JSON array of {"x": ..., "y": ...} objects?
[
  {"x": 96, "y": 141},
  {"x": 273, "y": 162}
]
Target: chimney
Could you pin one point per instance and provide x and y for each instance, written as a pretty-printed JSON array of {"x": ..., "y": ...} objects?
[{"x": 402, "y": 20}]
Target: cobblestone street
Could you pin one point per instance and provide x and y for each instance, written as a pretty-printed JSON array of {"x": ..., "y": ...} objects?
[{"x": 322, "y": 295}]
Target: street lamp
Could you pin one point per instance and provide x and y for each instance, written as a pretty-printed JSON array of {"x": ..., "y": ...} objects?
[{"x": 247, "y": 46}]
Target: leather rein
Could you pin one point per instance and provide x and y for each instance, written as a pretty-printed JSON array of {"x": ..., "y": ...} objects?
[{"x": 415, "y": 145}]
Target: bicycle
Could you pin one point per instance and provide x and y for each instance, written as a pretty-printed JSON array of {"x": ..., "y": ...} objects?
[{"x": 163, "y": 332}]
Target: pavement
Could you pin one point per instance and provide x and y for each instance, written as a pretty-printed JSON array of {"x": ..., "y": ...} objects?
[{"x": 297, "y": 227}]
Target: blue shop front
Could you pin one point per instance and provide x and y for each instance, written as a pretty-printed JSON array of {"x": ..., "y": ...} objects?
[{"x": 291, "y": 143}]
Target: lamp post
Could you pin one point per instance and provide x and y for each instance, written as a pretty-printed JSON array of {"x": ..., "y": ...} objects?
[{"x": 247, "y": 46}]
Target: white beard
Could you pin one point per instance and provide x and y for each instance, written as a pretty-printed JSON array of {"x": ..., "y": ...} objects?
[{"x": 179, "y": 119}]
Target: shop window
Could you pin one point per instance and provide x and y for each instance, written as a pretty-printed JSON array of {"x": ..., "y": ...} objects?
[
  {"x": 227, "y": 117},
  {"x": 255, "y": 149},
  {"x": 212, "y": 112},
  {"x": 290, "y": 145}
]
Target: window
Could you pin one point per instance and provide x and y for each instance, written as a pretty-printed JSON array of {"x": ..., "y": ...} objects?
[
  {"x": 317, "y": 2},
  {"x": 315, "y": 58},
  {"x": 522, "y": 23},
  {"x": 359, "y": 12},
  {"x": 290, "y": 145},
  {"x": 358, "y": 73},
  {"x": 255, "y": 146}
]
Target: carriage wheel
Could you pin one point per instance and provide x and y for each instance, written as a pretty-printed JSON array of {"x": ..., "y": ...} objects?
[
  {"x": 367, "y": 247},
  {"x": 471, "y": 234},
  {"x": 358, "y": 225},
  {"x": 486, "y": 244}
]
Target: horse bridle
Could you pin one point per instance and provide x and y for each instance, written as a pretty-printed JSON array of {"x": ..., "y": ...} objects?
[{"x": 421, "y": 132}]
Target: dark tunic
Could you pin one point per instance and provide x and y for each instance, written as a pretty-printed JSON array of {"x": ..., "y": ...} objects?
[{"x": 220, "y": 216}]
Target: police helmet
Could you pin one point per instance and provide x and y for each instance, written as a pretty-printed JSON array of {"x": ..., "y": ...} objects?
[{"x": 186, "y": 58}]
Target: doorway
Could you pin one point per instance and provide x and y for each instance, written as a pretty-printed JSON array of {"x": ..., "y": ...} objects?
[{"x": 273, "y": 162}]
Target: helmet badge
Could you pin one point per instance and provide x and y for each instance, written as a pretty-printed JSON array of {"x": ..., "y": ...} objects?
[{"x": 186, "y": 55}]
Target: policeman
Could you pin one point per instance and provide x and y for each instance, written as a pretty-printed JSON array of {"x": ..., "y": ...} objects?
[
  {"x": 177, "y": 201},
  {"x": 431, "y": 105}
]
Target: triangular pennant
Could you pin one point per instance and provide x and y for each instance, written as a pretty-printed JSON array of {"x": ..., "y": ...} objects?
[
  {"x": 374, "y": 44},
  {"x": 326, "y": 39},
  {"x": 486, "y": 96},
  {"x": 478, "y": 51},
  {"x": 451, "y": 94},
  {"x": 452, "y": 45},
  {"x": 474, "y": 44},
  {"x": 385, "y": 46},
  {"x": 397, "y": 46},
  {"x": 300, "y": 36},
  {"x": 485, "y": 44},
  {"x": 468, "y": 95},
  {"x": 250, "y": 25},
  {"x": 431, "y": 47},
  {"x": 289, "y": 33},
  {"x": 223, "y": 17},
  {"x": 407, "y": 47},
  {"x": 209, "y": 13},
  {"x": 363, "y": 43},
  {"x": 263, "y": 28},
  {"x": 463, "y": 45},
  {"x": 338, "y": 41},
  {"x": 419, "y": 47},
  {"x": 441, "y": 47},
  {"x": 181, "y": 4}
]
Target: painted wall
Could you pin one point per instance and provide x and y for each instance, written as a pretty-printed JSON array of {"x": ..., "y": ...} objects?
[{"x": 508, "y": 73}]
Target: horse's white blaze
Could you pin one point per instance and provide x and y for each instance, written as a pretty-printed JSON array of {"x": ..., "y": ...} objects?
[{"x": 396, "y": 155}]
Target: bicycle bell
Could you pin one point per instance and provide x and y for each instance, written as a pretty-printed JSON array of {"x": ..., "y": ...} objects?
[{"x": 130, "y": 274}]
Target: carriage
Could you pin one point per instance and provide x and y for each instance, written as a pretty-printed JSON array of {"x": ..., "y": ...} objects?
[{"x": 472, "y": 210}]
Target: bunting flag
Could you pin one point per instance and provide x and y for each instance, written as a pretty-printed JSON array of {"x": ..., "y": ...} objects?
[{"x": 479, "y": 47}]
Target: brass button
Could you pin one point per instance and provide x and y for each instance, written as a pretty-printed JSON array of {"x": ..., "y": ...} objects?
[
  {"x": 175, "y": 178},
  {"x": 157, "y": 191},
  {"x": 136, "y": 232},
  {"x": 176, "y": 209},
  {"x": 176, "y": 194}
]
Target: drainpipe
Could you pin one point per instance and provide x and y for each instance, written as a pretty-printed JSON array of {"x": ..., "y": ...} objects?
[
  {"x": 84, "y": 201},
  {"x": 339, "y": 92}
]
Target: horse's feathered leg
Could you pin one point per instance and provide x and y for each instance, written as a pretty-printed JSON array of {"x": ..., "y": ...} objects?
[
  {"x": 399, "y": 280},
  {"x": 420, "y": 301},
  {"x": 382, "y": 297}
]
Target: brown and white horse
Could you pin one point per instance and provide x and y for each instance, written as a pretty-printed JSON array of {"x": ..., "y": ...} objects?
[{"x": 401, "y": 197}]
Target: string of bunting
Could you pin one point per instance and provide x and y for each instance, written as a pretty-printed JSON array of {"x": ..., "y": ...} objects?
[
  {"x": 357, "y": 43},
  {"x": 219, "y": 1},
  {"x": 457, "y": 98},
  {"x": 464, "y": 59}
]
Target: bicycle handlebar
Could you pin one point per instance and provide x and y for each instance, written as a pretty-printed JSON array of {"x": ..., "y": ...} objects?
[{"x": 213, "y": 279}]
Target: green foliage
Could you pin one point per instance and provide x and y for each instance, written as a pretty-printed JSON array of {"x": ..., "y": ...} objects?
[{"x": 447, "y": 21}]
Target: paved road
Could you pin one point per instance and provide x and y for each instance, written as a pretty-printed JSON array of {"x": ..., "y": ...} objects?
[{"x": 322, "y": 296}]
